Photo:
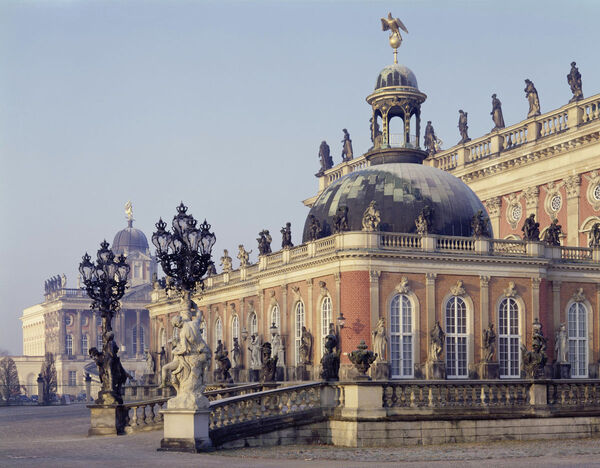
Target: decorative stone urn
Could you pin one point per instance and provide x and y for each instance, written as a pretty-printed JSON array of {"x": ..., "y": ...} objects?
[{"x": 362, "y": 358}]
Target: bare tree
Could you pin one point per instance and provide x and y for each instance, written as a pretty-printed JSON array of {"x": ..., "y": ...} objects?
[
  {"x": 48, "y": 375},
  {"x": 9, "y": 379}
]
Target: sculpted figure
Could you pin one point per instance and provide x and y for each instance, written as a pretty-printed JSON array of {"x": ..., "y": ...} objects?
[
  {"x": 255, "y": 357},
  {"x": 531, "y": 229},
  {"x": 286, "y": 236},
  {"x": 480, "y": 225},
  {"x": 561, "y": 345},
  {"x": 236, "y": 354},
  {"x": 463, "y": 128},
  {"x": 269, "y": 364},
  {"x": 340, "y": 220},
  {"x": 553, "y": 233},
  {"x": 226, "y": 261},
  {"x": 437, "y": 336},
  {"x": 314, "y": 229},
  {"x": 394, "y": 25},
  {"x": 375, "y": 133},
  {"x": 212, "y": 270},
  {"x": 574, "y": 80},
  {"x": 424, "y": 221},
  {"x": 489, "y": 343},
  {"x": 371, "y": 218},
  {"x": 497, "y": 113},
  {"x": 429, "y": 139},
  {"x": 595, "y": 235},
  {"x": 535, "y": 360},
  {"x": 110, "y": 370},
  {"x": 277, "y": 349},
  {"x": 380, "y": 341},
  {"x": 330, "y": 362},
  {"x": 532, "y": 98},
  {"x": 324, "y": 158},
  {"x": 223, "y": 364},
  {"x": 347, "y": 153},
  {"x": 243, "y": 256},
  {"x": 305, "y": 346},
  {"x": 149, "y": 370},
  {"x": 264, "y": 242}
]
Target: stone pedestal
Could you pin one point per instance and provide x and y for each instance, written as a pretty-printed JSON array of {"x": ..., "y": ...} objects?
[
  {"x": 435, "y": 370},
  {"x": 107, "y": 419},
  {"x": 562, "y": 370},
  {"x": 380, "y": 371},
  {"x": 186, "y": 430},
  {"x": 40, "y": 385},
  {"x": 363, "y": 401},
  {"x": 253, "y": 375},
  {"x": 279, "y": 374},
  {"x": 489, "y": 370},
  {"x": 302, "y": 373},
  {"x": 235, "y": 374}
]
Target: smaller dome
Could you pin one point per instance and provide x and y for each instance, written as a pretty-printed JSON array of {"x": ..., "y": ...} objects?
[
  {"x": 396, "y": 75},
  {"x": 130, "y": 239}
]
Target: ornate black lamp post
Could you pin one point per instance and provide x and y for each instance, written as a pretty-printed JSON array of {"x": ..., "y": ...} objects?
[
  {"x": 185, "y": 253},
  {"x": 105, "y": 283}
]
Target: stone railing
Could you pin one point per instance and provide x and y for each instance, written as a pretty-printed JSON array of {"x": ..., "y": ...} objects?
[
  {"x": 576, "y": 253},
  {"x": 508, "y": 247},
  {"x": 144, "y": 415},
  {"x": 399, "y": 241},
  {"x": 455, "y": 243},
  {"x": 146, "y": 392},
  {"x": 478, "y": 149},
  {"x": 569, "y": 394},
  {"x": 590, "y": 110},
  {"x": 514, "y": 137}
]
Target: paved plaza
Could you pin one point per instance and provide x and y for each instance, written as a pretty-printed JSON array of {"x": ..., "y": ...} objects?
[{"x": 56, "y": 437}]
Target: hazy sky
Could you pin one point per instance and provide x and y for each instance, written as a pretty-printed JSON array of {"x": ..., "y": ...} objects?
[{"x": 223, "y": 105}]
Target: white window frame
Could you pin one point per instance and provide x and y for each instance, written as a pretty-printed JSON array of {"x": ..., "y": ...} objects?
[
  {"x": 253, "y": 323},
  {"x": 577, "y": 328},
  {"x": 69, "y": 345},
  {"x": 84, "y": 343},
  {"x": 326, "y": 319},
  {"x": 275, "y": 316},
  {"x": 299, "y": 322},
  {"x": 509, "y": 341},
  {"x": 456, "y": 326},
  {"x": 72, "y": 378},
  {"x": 218, "y": 331},
  {"x": 235, "y": 328},
  {"x": 401, "y": 352}
]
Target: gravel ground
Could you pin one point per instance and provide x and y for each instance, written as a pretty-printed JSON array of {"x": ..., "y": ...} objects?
[{"x": 56, "y": 437}]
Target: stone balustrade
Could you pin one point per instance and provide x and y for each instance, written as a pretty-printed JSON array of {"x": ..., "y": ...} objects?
[
  {"x": 144, "y": 415},
  {"x": 508, "y": 247}
]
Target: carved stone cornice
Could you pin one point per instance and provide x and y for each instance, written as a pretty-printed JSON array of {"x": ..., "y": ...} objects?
[
  {"x": 458, "y": 289},
  {"x": 492, "y": 205},
  {"x": 403, "y": 287},
  {"x": 573, "y": 184}
]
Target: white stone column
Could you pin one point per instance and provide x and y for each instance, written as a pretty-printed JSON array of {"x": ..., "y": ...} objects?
[
  {"x": 556, "y": 304},
  {"x": 309, "y": 322},
  {"x": 573, "y": 185},
  {"x": 374, "y": 295},
  {"x": 531, "y": 200},
  {"x": 62, "y": 332},
  {"x": 77, "y": 335},
  {"x": 484, "y": 301}
]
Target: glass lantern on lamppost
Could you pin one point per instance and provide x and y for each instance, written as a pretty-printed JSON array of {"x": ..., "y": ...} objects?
[
  {"x": 184, "y": 253},
  {"x": 105, "y": 281}
]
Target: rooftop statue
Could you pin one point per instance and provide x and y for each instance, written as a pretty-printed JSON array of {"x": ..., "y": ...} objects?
[
  {"x": 497, "y": 113},
  {"x": 480, "y": 225},
  {"x": 463, "y": 128},
  {"x": 264, "y": 242},
  {"x": 324, "y": 158},
  {"x": 376, "y": 135},
  {"x": 531, "y": 229},
  {"x": 553, "y": 233},
  {"x": 314, "y": 228},
  {"x": 424, "y": 221},
  {"x": 371, "y": 218},
  {"x": 226, "y": 261},
  {"x": 243, "y": 256},
  {"x": 595, "y": 235},
  {"x": 430, "y": 140},
  {"x": 347, "y": 152},
  {"x": 574, "y": 80},
  {"x": 286, "y": 236},
  {"x": 129, "y": 210},
  {"x": 532, "y": 98},
  {"x": 340, "y": 220},
  {"x": 395, "y": 25}
]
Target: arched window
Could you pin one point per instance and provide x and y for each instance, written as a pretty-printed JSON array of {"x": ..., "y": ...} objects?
[
  {"x": 235, "y": 329},
  {"x": 275, "y": 316},
  {"x": 163, "y": 337},
  {"x": 578, "y": 345},
  {"x": 99, "y": 341},
  {"x": 253, "y": 321},
  {"x": 456, "y": 338},
  {"x": 299, "y": 314},
  {"x": 134, "y": 340},
  {"x": 401, "y": 336},
  {"x": 84, "y": 344},
  {"x": 325, "y": 320},
  {"x": 69, "y": 345},
  {"x": 218, "y": 332},
  {"x": 508, "y": 338}
]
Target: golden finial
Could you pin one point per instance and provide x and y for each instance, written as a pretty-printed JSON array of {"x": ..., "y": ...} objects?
[
  {"x": 394, "y": 25},
  {"x": 129, "y": 213}
]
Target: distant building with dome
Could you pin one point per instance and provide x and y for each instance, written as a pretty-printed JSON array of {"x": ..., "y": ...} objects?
[
  {"x": 64, "y": 324},
  {"x": 400, "y": 235}
]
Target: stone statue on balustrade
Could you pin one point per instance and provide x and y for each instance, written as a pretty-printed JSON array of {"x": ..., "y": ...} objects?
[
  {"x": 324, "y": 158},
  {"x": 531, "y": 229},
  {"x": 347, "y": 152},
  {"x": 277, "y": 349},
  {"x": 561, "y": 345},
  {"x": 314, "y": 228},
  {"x": 496, "y": 113},
  {"x": 535, "y": 360},
  {"x": 436, "y": 347},
  {"x": 190, "y": 364},
  {"x": 226, "y": 261},
  {"x": 306, "y": 343},
  {"x": 371, "y": 218},
  {"x": 212, "y": 270},
  {"x": 330, "y": 362},
  {"x": 376, "y": 136},
  {"x": 480, "y": 225},
  {"x": 340, "y": 220},
  {"x": 431, "y": 142},
  {"x": 553, "y": 233},
  {"x": 489, "y": 343},
  {"x": 362, "y": 358},
  {"x": 574, "y": 80},
  {"x": 532, "y": 98},
  {"x": 380, "y": 341},
  {"x": 149, "y": 369},
  {"x": 223, "y": 364},
  {"x": 264, "y": 242},
  {"x": 236, "y": 355},
  {"x": 269, "y": 364},
  {"x": 255, "y": 358},
  {"x": 595, "y": 236},
  {"x": 243, "y": 256},
  {"x": 463, "y": 128},
  {"x": 286, "y": 236},
  {"x": 424, "y": 221}
]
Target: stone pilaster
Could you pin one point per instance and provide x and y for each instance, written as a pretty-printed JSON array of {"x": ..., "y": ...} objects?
[
  {"x": 338, "y": 295},
  {"x": 493, "y": 205},
  {"x": 138, "y": 335},
  {"x": 484, "y": 300},
  {"x": 260, "y": 315},
  {"x": 77, "y": 334},
  {"x": 62, "y": 332},
  {"x": 288, "y": 321},
  {"x": 573, "y": 185},
  {"x": 374, "y": 294},
  {"x": 535, "y": 298},
  {"x": 310, "y": 311},
  {"x": 430, "y": 299},
  {"x": 556, "y": 304},
  {"x": 531, "y": 200}
]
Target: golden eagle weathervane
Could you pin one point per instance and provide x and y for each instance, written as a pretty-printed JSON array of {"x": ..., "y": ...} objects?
[{"x": 394, "y": 24}]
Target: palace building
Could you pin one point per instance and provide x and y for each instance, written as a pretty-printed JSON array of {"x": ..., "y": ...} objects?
[
  {"x": 389, "y": 235},
  {"x": 64, "y": 324}
]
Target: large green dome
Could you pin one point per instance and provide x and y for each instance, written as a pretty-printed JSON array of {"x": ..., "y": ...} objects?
[{"x": 401, "y": 191}]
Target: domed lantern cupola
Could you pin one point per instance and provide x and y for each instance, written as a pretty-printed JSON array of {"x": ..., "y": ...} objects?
[{"x": 396, "y": 95}]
